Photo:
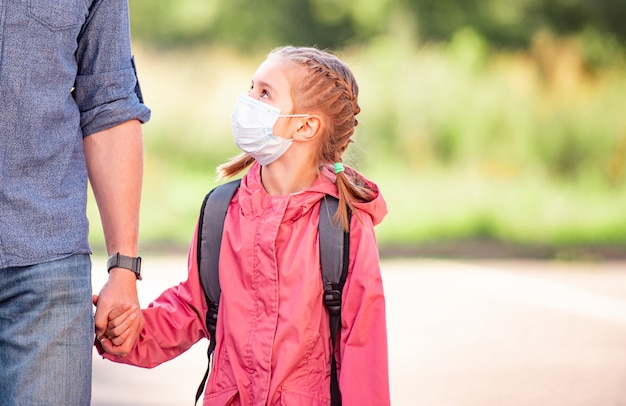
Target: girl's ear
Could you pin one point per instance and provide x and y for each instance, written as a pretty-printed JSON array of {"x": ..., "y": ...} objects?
[{"x": 310, "y": 128}]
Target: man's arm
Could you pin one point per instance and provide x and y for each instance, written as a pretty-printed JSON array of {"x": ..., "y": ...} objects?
[{"x": 115, "y": 165}]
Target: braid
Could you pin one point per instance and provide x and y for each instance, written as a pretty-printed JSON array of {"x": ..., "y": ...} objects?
[
  {"x": 234, "y": 166},
  {"x": 329, "y": 88}
]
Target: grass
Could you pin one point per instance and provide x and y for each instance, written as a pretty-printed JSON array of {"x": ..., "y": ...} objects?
[{"x": 451, "y": 205}]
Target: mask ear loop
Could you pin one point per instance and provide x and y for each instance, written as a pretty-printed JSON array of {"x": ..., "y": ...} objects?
[{"x": 292, "y": 115}]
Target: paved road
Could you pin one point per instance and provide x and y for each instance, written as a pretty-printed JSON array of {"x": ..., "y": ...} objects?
[{"x": 460, "y": 333}]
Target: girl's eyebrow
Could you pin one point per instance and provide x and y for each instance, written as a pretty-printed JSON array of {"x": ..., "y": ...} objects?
[{"x": 265, "y": 85}]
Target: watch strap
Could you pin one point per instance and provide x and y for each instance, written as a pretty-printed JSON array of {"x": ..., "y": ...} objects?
[{"x": 122, "y": 261}]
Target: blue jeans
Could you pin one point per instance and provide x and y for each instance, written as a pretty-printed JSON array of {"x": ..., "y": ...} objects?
[{"x": 46, "y": 333}]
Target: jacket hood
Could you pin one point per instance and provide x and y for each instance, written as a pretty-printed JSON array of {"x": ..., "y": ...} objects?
[{"x": 254, "y": 200}]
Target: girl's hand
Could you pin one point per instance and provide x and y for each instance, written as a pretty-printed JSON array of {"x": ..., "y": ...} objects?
[{"x": 118, "y": 329}]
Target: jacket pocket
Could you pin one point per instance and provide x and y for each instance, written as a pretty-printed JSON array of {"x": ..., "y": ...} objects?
[
  {"x": 226, "y": 397},
  {"x": 59, "y": 14},
  {"x": 295, "y": 397}
]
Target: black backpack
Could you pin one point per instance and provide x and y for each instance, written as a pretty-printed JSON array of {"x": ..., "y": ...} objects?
[{"x": 334, "y": 259}]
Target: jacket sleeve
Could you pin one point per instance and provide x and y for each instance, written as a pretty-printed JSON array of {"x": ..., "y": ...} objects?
[
  {"x": 363, "y": 360},
  {"x": 173, "y": 322}
]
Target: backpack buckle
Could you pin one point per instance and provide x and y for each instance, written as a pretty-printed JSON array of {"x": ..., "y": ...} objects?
[
  {"x": 332, "y": 300},
  {"x": 211, "y": 316}
]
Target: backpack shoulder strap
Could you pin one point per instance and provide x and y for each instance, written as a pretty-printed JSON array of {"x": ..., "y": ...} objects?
[
  {"x": 212, "y": 216},
  {"x": 334, "y": 259},
  {"x": 210, "y": 228}
]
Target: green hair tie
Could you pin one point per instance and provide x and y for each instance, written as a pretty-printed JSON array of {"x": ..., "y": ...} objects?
[{"x": 338, "y": 167}]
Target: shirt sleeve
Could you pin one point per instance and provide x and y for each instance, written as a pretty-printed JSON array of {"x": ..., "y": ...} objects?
[
  {"x": 106, "y": 89},
  {"x": 173, "y": 322},
  {"x": 363, "y": 359}
]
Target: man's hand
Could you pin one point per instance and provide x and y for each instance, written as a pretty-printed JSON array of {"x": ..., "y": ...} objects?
[
  {"x": 118, "y": 318},
  {"x": 118, "y": 329}
]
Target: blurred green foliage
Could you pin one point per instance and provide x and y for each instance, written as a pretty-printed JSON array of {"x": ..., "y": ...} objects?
[
  {"x": 480, "y": 119},
  {"x": 258, "y": 24}
]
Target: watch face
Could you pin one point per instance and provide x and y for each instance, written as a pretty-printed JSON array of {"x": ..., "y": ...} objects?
[{"x": 138, "y": 270}]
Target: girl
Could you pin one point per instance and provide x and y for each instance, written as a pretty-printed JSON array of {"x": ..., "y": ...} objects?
[{"x": 273, "y": 341}]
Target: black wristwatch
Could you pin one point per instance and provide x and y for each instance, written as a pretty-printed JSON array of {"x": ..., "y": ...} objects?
[{"x": 121, "y": 261}]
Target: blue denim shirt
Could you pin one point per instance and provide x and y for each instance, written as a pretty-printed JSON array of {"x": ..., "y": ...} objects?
[{"x": 65, "y": 72}]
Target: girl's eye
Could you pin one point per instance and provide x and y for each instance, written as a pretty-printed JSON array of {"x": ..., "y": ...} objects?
[{"x": 262, "y": 93}]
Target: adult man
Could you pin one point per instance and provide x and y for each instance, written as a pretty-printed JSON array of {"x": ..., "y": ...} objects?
[{"x": 70, "y": 108}]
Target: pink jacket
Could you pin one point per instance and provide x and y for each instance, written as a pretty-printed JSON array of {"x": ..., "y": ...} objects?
[{"x": 273, "y": 340}]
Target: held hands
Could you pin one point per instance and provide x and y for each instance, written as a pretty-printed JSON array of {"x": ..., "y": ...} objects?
[
  {"x": 117, "y": 302},
  {"x": 115, "y": 338}
]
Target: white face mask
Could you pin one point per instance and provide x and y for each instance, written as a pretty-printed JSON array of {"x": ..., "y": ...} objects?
[{"x": 252, "y": 122}]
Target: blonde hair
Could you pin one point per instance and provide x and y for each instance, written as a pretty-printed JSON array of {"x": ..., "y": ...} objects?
[{"x": 328, "y": 88}]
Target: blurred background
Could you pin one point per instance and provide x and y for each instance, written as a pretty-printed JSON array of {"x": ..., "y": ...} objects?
[{"x": 493, "y": 128}]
